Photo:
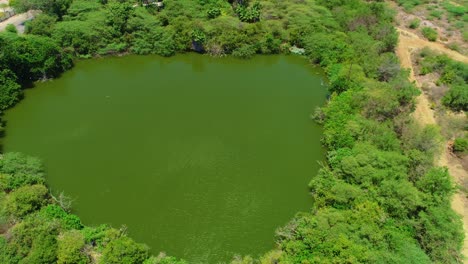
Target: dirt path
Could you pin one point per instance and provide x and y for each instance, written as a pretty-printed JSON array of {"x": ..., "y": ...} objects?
[
  {"x": 409, "y": 42},
  {"x": 18, "y": 20}
]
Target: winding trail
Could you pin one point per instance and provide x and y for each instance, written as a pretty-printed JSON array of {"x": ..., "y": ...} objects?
[
  {"x": 409, "y": 42},
  {"x": 18, "y": 20}
]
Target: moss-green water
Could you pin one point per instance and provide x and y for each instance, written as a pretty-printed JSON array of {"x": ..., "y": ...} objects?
[{"x": 201, "y": 158}]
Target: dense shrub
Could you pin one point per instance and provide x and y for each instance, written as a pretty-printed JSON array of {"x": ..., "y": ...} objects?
[
  {"x": 460, "y": 145},
  {"x": 457, "y": 98},
  {"x": 70, "y": 248},
  {"x": 25, "y": 200},
  {"x": 429, "y": 33},
  {"x": 124, "y": 250},
  {"x": 414, "y": 23},
  {"x": 68, "y": 221},
  {"x": 22, "y": 170}
]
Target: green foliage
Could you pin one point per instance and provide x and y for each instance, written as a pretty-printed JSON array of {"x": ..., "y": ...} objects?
[
  {"x": 414, "y": 23},
  {"x": 68, "y": 221},
  {"x": 78, "y": 36},
  {"x": 345, "y": 76},
  {"x": 26, "y": 200},
  {"x": 460, "y": 145},
  {"x": 452, "y": 73},
  {"x": 347, "y": 236},
  {"x": 23, "y": 170},
  {"x": 409, "y": 4},
  {"x": 124, "y": 250},
  {"x": 429, "y": 33},
  {"x": 249, "y": 14},
  {"x": 213, "y": 12},
  {"x": 42, "y": 24},
  {"x": 70, "y": 248},
  {"x": 198, "y": 36},
  {"x": 438, "y": 185},
  {"x": 245, "y": 51},
  {"x": 32, "y": 57},
  {"x": 100, "y": 236},
  {"x": 425, "y": 139},
  {"x": 32, "y": 241},
  {"x": 440, "y": 234},
  {"x": 11, "y": 28},
  {"x": 456, "y": 10},
  {"x": 57, "y": 7},
  {"x": 436, "y": 13},
  {"x": 117, "y": 15},
  {"x": 457, "y": 98},
  {"x": 163, "y": 259},
  {"x": 10, "y": 90}
]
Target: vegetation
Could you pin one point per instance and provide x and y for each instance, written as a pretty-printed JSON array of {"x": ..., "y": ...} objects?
[
  {"x": 40, "y": 231},
  {"x": 460, "y": 145},
  {"x": 378, "y": 198},
  {"x": 452, "y": 74},
  {"x": 429, "y": 33},
  {"x": 414, "y": 23},
  {"x": 449, "y": 18}
]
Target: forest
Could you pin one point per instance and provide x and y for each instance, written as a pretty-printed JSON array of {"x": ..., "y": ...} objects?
[{"x": 378, "y": 198}]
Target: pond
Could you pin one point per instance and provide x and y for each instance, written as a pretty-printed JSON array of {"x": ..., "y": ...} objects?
[{"x": 202, "y": 158}]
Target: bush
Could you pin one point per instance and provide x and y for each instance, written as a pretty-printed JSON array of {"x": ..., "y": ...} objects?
[
  {"x": 42, "y": 24},
  {"x": 11, "y": 28},
  {"x": 34, "y": 240},
  {"x": 70, "y": 248},
  {"x": 26, "y": 200},
  {"x": 68, "y": 221},
  {"x": 24, "y": 170},
  {"x": 249, "y": 14},
  {"x": 438, "y": 226},
  {"x": 124, "y": 250},
  {"x": 457, "y": 98},
  {"x": 100, "y": 236},
  {"x": 429, "y": 33},
  {"x": 244, "y": 52},
  {"x": 414, "y": 23},
  {"x": 213, "y": 12},
  {"x": 460, "y": 145}
]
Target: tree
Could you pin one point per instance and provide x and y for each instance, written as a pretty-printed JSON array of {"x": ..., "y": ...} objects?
[
  {"x": 51, "y": 7},
  {"x": 10, "y": 90},
  {"x": 438, "y": 185},
  {"x": 42, "y": 24}
]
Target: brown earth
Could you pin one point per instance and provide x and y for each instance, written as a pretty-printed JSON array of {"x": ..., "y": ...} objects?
[{"x": 448, "y": 33}]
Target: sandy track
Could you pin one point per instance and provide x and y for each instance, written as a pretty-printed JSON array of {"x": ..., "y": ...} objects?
[
  {"x": 409, "y": 42},
  {"x": 18, "y": 20}
]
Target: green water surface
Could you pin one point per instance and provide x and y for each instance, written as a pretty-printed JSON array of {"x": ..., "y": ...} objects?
[{"x": 199, "y": 157}]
